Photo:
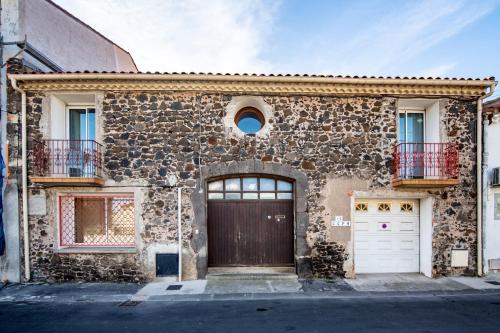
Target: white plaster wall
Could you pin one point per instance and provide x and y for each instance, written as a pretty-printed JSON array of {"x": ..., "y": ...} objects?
[
  {"x": 432, "y": 133},
  {"x": 57, "y": 111},
  {"x": 492, "y": 226},
  {"x": 432, "y": 123},
  {"x": 66, "y": 41},
  {"x": 426, "y": 233}
]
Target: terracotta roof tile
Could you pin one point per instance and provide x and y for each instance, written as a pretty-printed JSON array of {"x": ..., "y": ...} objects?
[{"x": 491, "y": 78}]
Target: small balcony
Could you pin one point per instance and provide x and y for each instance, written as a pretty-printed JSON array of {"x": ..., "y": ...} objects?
[
  {"x": 67, "y": 162},
  {"x": 418, "y": 165}
]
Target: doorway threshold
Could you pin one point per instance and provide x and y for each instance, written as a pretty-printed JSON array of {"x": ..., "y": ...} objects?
[{"x": 251, "y": 273}]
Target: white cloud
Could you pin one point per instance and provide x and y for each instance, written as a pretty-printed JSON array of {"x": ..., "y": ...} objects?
[
  {"x": 403, "y": 33},
  {"x": 236, "y": 35},
  {"x": 187, "y": 35}
]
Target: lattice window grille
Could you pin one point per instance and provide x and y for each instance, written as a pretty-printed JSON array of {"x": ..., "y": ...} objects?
[{"x": 97, "y": 221}]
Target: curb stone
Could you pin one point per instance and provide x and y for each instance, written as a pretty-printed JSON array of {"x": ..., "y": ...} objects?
[{"x": 304, "y": 296}]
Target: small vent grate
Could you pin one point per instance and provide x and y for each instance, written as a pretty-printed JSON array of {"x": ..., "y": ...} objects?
[
  {"x": 174, "y": 287},
  {"x": 496, "y": 283}
]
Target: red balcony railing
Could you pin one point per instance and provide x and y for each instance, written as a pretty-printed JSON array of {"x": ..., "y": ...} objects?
[
  {"x": 426, "y": 161},
  {"x": 67, "y": 158}
]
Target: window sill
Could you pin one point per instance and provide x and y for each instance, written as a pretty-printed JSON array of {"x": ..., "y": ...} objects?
[{"x": 83, "y": 250}]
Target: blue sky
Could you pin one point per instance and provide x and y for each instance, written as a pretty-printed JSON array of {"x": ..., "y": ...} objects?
[{"x": 371, "y": 37}]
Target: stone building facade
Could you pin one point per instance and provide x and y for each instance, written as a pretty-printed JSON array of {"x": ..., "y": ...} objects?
[{"x": 334, "y": 139}]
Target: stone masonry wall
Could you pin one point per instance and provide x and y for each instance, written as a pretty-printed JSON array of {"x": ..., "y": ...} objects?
[
  {"x": 455, "y": 215},
  {"x": 151, "y": 136}
]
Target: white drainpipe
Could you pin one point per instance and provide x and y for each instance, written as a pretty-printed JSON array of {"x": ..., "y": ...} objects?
[
  {"x": 179, "y": 229},
  {"x": 24, "y": 176}
]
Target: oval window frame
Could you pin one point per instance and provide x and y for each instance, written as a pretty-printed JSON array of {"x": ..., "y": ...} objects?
[{"x": 250, "y": 110}]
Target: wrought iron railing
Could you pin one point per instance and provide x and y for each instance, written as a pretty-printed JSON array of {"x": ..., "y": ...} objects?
[
  {"x": 426, "y": 161},
  {"x": 67, "y": 158}
]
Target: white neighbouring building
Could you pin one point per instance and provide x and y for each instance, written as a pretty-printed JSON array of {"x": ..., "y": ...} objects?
[{"x": 492, "y": 184}]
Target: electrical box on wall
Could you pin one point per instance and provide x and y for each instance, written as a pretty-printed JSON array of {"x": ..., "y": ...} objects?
[
  {"x": 167, "y": 264},
  {"x": 459, "y": 258}
]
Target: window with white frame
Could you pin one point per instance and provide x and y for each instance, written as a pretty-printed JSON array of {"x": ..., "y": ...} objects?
[
  {"x": 81, "y": 123},
  {"x": 100, "y": 220},
  {"x": 411, "y": 126}
]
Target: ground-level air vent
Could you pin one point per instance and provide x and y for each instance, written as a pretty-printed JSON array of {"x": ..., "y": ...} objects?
[{"x": 167, "y": 264}]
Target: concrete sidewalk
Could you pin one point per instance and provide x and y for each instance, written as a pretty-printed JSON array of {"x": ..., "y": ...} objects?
[
  {"x": 274, "y": 286},
  {"x": 69, "y": 292},
  {"x": 264, "y": 287},
  {"x": 404, "y": 283}
]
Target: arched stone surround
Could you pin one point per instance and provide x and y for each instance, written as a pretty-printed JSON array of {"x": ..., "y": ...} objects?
[{"x": 198, "y": 199}]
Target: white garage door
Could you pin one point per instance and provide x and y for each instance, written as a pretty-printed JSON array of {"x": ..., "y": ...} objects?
[{"x": 386, "y": 236}]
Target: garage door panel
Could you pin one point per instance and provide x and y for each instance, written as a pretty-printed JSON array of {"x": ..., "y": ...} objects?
[
  {"x": 401, "y": 264},
  {"x": 387, "y": 245},
  {"x": 408, "y": 226},
  {"x": 376, "y": 226},
  {"x": 362, "y": 226},
  {"x": 386, "y": 236}
]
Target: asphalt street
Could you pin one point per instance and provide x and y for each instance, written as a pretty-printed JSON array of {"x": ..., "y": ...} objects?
[{"x": 417, "y": 313}]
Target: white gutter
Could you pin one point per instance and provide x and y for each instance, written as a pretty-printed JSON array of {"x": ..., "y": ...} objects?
[
  {"x": 24, "y": 176},
  {"x": 179, "y": 229},
  {"x": 246, "y": 78},
  {"x": 481, "y": 185}
]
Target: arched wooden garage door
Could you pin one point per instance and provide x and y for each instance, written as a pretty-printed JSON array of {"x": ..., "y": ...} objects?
[{"x": 250, "y": 222}]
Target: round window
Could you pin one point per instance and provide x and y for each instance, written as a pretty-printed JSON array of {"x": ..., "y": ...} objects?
[{"x": 249, "y": 120}]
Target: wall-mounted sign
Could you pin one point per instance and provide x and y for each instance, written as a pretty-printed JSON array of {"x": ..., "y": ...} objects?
[{"x": 340, "y": 222}]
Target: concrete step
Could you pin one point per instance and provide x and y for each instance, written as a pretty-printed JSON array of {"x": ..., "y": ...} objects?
[
  {"x": 264, "y": 276},
  {"x": 251, "y": 273}
]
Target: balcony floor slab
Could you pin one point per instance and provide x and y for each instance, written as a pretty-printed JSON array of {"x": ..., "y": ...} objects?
[
  {"x": 75, "y": 181},
  {"x": 423, "y": 183}
]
